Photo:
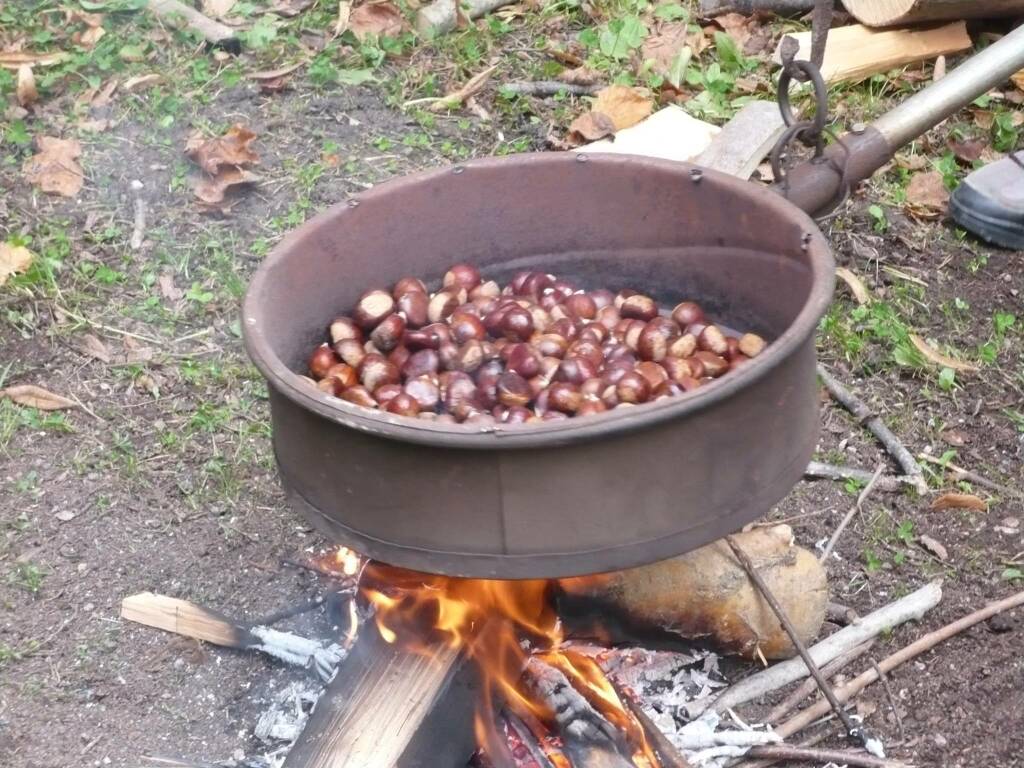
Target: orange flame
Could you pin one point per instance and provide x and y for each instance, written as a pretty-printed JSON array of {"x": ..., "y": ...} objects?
[{"x": 497, "y": 624}]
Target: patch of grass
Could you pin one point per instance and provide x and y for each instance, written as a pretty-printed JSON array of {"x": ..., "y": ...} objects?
[
  {"x": 15, "y": 417},
  {"x": 27, "y": 576}
]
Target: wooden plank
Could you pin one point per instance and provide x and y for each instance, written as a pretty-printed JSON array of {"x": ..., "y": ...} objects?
[
  {"x": 745, "y": 140},
  {"x": 185, "y": 618},
  {"x": 388, "y": 708},
  {"x": 884, "y": 13},
  {"x": 855, "y": 52}
]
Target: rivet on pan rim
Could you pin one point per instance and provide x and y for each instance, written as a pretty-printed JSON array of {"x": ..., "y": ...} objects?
[
  {"x": 458, "y": 169},
  {"x": 696, "y": 174},
  {"x": 353, "y": 203},
  {"x": 581, "y": 157}
]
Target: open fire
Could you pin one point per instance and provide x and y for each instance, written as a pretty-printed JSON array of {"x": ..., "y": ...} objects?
[{"x": 503, "y": 627}]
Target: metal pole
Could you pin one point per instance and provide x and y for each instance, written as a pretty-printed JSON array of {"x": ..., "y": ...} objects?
[{"x": 929, "y": 107}]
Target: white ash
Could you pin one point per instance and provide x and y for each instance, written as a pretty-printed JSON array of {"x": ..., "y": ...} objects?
[
  {"x": 300, "y": 651},
  {"x": 287, "y": 714}
]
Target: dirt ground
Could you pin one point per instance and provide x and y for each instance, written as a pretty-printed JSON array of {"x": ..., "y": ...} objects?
[{"x": 164, "y": 480}]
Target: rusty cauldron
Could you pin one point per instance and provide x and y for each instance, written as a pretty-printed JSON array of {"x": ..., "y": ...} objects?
[{"x": 625, "y": 488}]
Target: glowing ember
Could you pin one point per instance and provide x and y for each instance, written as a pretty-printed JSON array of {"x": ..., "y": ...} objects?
[{"x": 499, "y": 625}]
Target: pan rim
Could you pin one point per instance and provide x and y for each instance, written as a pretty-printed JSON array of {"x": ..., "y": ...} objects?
[{"x": 497, "y": 437}]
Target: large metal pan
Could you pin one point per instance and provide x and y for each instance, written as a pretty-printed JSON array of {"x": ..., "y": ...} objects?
[{"x": 588, "y": 495}]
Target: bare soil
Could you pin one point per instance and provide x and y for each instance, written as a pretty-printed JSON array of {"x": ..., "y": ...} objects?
[{"x": 166, "y": 482}]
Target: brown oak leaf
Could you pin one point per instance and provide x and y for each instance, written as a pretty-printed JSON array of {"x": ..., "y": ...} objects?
[
  {"x": 624, "y": 105},
  {"x": 54, "y": 168},
  {"x": 380, "y": 19},
  {"x": 231, "y": 149},
  {"x": 590, "y": 126}
]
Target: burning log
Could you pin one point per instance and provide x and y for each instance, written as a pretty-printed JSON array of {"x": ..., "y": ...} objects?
[
  {"x": 706, "y": 595},
  {"x": 392, "y": 708}
]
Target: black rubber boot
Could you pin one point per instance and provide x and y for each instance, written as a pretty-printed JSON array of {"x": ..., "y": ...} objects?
[{"x": 990, "y": 202}]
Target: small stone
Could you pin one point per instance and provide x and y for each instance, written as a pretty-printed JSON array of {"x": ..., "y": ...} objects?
[
  {"x": 65, "y": 515},
  {"x": 1001, "y": 623},
  {"x": 88, "y": 607},
  {"x": 940, "y": 740}
]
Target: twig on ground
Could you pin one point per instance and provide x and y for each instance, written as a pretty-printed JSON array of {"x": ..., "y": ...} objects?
[
  {"x": 139, "y": 230},
  {"x": 874, "y": 424},
  {"x": 839, "y": 757},
  {"x": 974, "y": 477},
  {"x": 807, "y": 687},
  {"x": 854, "y": 730},
  {"x": 544, "y": 88},
  {"x": 109, "y": 329},
  {"x": 892, "y": 700},
  {"x": 912, "y": 606},
  {"x": 925, "y": 643},
  {"x": 842, "y": 615},
  {"x": 888, "y": 484},
  {"x": 861, "y": 498}
]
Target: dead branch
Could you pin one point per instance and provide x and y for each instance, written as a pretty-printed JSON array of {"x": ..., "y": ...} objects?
[
  {"x": 215, "y": 33},
  {"x": 666, "y": 752},
  {"x": 709, "y": 8},
  {"x": 544, "y": 88},
  {"x": 874, "y": 424},
  {"x": 386, "y": 707},
  {"x": 925, "y": 643},
  {"x": 861, "y": 498},
  {"x": 892, "y": 700},
  {"x": 817, "y": 470},
  {"x": 908, "y": 608},
  {"x": 974, "y": 477},
  {"x": 839, "y": 757},
  {"x": 807, "y": 687},
  {"x": 853, "y": 730}
]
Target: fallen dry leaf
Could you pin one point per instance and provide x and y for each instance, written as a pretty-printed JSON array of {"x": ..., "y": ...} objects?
[
  {"x": 231, "y": 149},
  {"x": 967, "y": 150},
  {"x": 36, "y": 397},
  {"x": 581, "y": 76},
  {"x": 25, "y": 91},
  {"x": 983, "y": 118},
  {"x": 937, "y": 357},
  {"x": 735, "y": 25},
  {"x": 927, "y": 195},
  {"x": 664, "y": 46},
  {"x": 959, "y": 501},
  {"x": 54, "y": 168},
  {"x": 279, "y": 74},
  {"x": 105, "y": 94},
  {"x": 168, "y": 289},
  {"x": 94, "y": 347},
  {"x": 934, "y": 546},
  {"x": 954, "y": 437},
  {"x": 624, "y": 105},
  {"x": 380, "y": 19},
  {"x": 141, "y": 81},
  {"x": 18, "y": 59},
  {"x": 1017, "y": 78},
  {"x": 588, "y": 127},
  {"x": 218, "y": 8},
  {"x": 211, "y": 190},
  {"x": 856, "y": 285},
  {"x": 13, "y": 259},
  {"x": 88, "y": 37}
]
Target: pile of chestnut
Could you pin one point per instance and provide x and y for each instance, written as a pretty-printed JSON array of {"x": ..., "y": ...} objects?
[{"x": 535, "y": 350}]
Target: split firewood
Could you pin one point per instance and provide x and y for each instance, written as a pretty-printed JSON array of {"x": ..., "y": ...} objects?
[
  {"x": 856, "y": 52},
  {"x": 706, "y": 595},
  {"x": 387, "y": 706},
  {"x": 215, "y": 33},
  {"x": 887, "y": 13},
  {"x": 911, "y": 607},
  {"x": 191, "y": 620},
  {"x": 589, "y": 739}
]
